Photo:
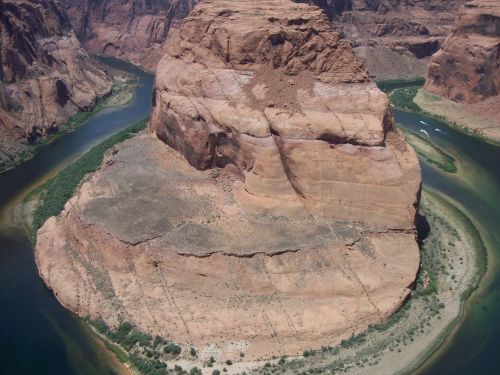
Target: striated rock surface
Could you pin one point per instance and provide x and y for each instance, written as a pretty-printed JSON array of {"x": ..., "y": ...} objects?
[
  {"x": 132, "y": 30},
  {"x": 282, "y": 217},
  {"x": 394, "y": 38},
  {"x": 467, "y": 67},
  {"x": 284, "y": 99},
  {"x": 45, "y": 75},
  {"x": 151, "y": 240}
]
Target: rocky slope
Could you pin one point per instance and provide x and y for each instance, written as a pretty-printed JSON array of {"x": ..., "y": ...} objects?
[
  {"x": 394, "y": 38},
  {"x": 467, "y": 67},
  {"x": 45, "y": 75},
  {"x": 132, "y": 30},
  {"x": 281, "y": 219}
]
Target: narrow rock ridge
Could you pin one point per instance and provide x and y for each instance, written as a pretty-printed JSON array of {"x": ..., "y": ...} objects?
[
  {"x": 272, "y": 89},
  {"x": 45, "y": 75}
]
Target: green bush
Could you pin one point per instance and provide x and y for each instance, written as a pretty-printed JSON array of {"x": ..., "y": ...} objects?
[
  {"x": 61, "y": 188},
  {"x": 173, "y": 349}
]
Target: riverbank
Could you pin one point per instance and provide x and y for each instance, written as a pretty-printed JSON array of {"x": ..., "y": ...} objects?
[
  {"x": 122, "y": 92},
  {"x": 480, "y": 118},
  {"x": 49, "y": 199},
  {"x": 409, "y": 96}
]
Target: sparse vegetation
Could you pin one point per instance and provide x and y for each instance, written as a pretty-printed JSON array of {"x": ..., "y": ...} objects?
[{"x": 56, "y": 192}]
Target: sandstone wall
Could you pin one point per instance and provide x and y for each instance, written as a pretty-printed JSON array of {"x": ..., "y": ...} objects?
[
  {"x": 467, "y": 67},
  {"x": 394, "y": 38},
  {"x": 132, "y": 30},
  {"x": 45, "y": 75},
  {"x": 277, "y": 93}
]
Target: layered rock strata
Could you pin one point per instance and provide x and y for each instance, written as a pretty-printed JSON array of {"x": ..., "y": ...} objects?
[
  {"x": 153, "y": 241},
  {"x": 394, "y": 38},
  {"x": 282, "y": 217},
  {"x": 45, "y": 75},
  {"x": 467, "y": 67},
  {"x": 132, "y": 30},
  {"x": 286, "y": 101}
]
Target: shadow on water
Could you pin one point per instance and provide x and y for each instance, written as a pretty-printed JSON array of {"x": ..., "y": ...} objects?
[{"x": 37, "y": 335}]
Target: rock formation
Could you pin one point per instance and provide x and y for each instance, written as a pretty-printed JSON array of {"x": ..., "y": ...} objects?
[
  {"x": 394, "y": 38},
  {"x": 132, "y": 30},
  {"x": 286, "y": 101},
  {"x": 45, "y": 75},
  {"x": 282, "y": 218},
  {"x": 467, "y": 67}
]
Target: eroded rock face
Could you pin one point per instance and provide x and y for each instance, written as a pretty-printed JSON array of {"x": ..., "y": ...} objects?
[
  {"x": 467, "y": 67},
  {"x": 45, "y": 75},
  {"x": 151, "y": 240},
  {"x": 282, "y": 217},
  {"x": 393, "y": 38},
  {"x": 132, "y": 30},
  {"x": 283, "y": 98}
]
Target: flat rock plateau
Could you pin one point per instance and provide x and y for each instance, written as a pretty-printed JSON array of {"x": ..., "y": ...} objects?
[{"x": 271, "y": 208}]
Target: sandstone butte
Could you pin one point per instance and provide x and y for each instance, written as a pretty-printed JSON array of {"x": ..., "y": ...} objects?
[
  {"x": 45, "y": 74},
  {"x": 467, "y": 67},
  {"x": 282, "y": 216}
]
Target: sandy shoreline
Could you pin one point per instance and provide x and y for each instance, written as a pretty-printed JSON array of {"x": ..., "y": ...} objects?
[{"x": 466, "y": 117}]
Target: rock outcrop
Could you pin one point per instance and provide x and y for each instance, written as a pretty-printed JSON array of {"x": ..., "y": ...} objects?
[
  {"x": 394, "y": 38},
  {"x": 467, "y": 67},
  {"x": 45, "y": 75},
  {"x": 285, "y": 101},
  {"x": 132, "y": 30},
  {"x": 282, "y": 217}
]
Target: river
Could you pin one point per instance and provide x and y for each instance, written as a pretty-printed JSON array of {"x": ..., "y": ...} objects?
[
  {"x": 38, "y": 336},
  {"x": 474, "y": 347}
]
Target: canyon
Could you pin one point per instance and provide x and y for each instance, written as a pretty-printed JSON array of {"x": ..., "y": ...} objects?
[
  {"x": 393, "y": 39},
  {"x": 131, "y": 30},
  {"x": 45, "y": 74},
  {"x": 271, "y": 207},
  {"x": 465, "y": 72}
]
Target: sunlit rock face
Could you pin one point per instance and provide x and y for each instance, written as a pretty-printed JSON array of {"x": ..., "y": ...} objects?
[
  {"x": 467, "y": 67},
  {"x": 45, "y": 75},
  {"x": 284, "y": 99},
  {"x": 270, "y": 209},
  {"x": 135, "y": 30}
]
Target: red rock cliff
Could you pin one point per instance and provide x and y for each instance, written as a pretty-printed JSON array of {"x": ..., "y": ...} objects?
[
  {"x": 467, "y": 67},
  {"x": 133, "y": 30},
  {"x": 45, "y": 75},
  {"x": 284, "y": 99}
]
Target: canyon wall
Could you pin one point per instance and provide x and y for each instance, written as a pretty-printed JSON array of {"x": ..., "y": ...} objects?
[
  {"x": 394, "y": 39},
  {"x": 467, "y": 67},
  {"x": 132, "y": 30},
  {"x": 45, "y": 75}
]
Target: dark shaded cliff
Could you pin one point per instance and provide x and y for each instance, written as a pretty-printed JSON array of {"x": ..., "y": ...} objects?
[
  {"x": 467, "y": 67},
  {"x": 45, "y": 75},
  {"x": 394, "y": 38},
  {"x": 135, "y": 30}
]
